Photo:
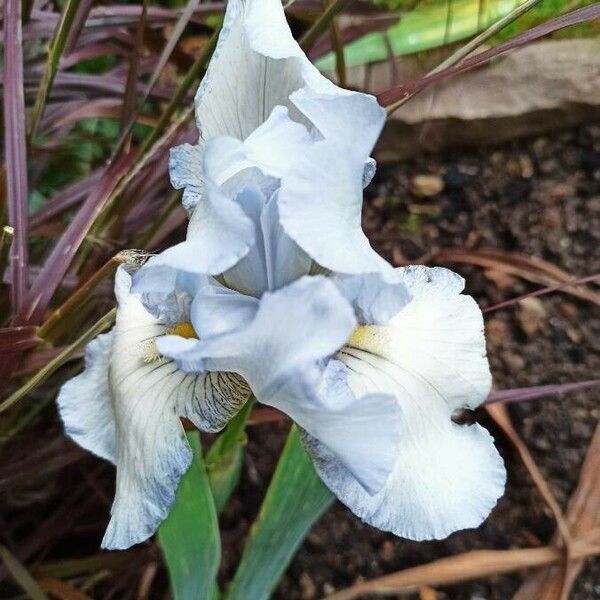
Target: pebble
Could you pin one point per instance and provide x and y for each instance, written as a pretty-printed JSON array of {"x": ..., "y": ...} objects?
[{"x": 425, "y": 186}]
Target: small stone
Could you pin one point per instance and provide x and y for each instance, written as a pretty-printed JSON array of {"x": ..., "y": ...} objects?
[
  {"x": 531, "y": 315},
  {"x": 568, "y": 309},
  {"x": 328, "y": 589},
  {"x": 526, "y": 166},
  {"x": 514, "y": 362},
  {"x": 307, "y": 587},
  {"x": 425, "y": 186},
  {"x": 501, "y": 278},
  {"x": 496, "y": 332},
  {"x": 386, "y": 552}
]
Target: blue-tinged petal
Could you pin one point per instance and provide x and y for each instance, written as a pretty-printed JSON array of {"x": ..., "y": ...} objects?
[
  {"x": 186, "y": 169},
  {"x": 217, "y": 310},
  {"x": 355, "y": 120},
  {"x": 281, "y": 355},
  {"x": 431, "y": 357},
  {"x": 84, "y": 402},
  {"x": 148, "y": 394},
  {"x": 256, "y": 66},
  {"x": 285, "y": 260},
  {"x": 369, "y": 171},
  {"x": 219, "y": 235},
  {"x": 162, "y": 292},
  {"x": 374, "y": 299},
  {"x": 320, "y": 204},
  {"x": 277, "y": 143}
]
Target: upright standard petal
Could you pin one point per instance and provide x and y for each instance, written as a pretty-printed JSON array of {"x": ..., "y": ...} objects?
[
  {"x": 219, "y": 235},
  {"x": 284, "y": 366},
  {"x": 256, "y": 66},
  {"x": 127, "y": 385},
  {"x": 431, "y": 358},
  {"x": 320, "y": 205}
]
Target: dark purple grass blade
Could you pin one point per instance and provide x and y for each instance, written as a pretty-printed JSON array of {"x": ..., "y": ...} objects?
[
  {"x": 134, "y": 63},
  {"x": 65, "y": 199},
  {"x": 351, "y": 33},
  {"x": 401, "y": 92},
  {"x": 17, "y": 338},
  {"x": 83, "y": 11},
  {"x": 57, "y": 264},
  {"x": 539, "y": 391},
  {"x": 542, "y": 292},
  {"x": 43, "y": 23},
  {"x": 15, "y": 151}
]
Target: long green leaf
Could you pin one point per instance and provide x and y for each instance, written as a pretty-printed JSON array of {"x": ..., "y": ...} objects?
[
  {"x": 296, "y": 498},
  {"x": 54, "y": 53},
  {"x": 424, "y": 28},
  {"x": 225, "y": 457},
  {"x": 189, "y": 537}
]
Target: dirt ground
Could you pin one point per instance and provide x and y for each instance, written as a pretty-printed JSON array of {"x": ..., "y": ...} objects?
[{"x": 540, "y": 197}]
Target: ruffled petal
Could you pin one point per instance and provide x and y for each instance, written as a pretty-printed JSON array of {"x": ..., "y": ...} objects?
[
  {"x": 431, "y": 357},
  {"x": 281, "y": 353},
  {"x": 256, "y": 66},
  {"x": 186, "y": 170},
  {"x": 355, "y": 120},
  {"x": 446, "y": 478},
  {"x": 219, "y": 234},
  {"x": 374, "y": 299},
  {"x": 84, "y": 402},
  {"x": 320, "y": 205},
  {"x": 149, "y": 394},
  {"x": 162, "y": 291},
  {"x": 438, "y": 335}
]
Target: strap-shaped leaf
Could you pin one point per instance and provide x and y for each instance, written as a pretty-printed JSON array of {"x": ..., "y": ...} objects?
[
  {"x": 225, "y": 458},
  {"x": 189, "y": 536},
  {"x": 296, "y": 498}
]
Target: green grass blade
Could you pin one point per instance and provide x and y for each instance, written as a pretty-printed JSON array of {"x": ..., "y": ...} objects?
[
  {"x": 189, "y": 537},
  {"x": 54, "y": 53},
  {"x": 423, "y": 29},
  {"x": 225, "y": 457},
  {"x": 21, "y": 575},
  {"x": 296, "y": 498}
]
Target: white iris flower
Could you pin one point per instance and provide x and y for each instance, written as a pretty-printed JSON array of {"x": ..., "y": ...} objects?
[{"x": 371, "y": 362}]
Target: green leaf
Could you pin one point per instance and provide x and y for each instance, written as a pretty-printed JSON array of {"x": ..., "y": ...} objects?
[
  {"x": 296, "y": 498},
  {"x": 189, "y": 537},
  {"x": 424, "y": 28},
  {"x": 225, "y": 458}
]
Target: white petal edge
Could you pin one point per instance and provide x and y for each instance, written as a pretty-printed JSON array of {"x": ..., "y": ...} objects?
[
  {"x": 148, "y": 399},
  {"x": 431, "y": 358},
  {"x": 84, "y": 402},
  {"x": 320, "y": 204}
]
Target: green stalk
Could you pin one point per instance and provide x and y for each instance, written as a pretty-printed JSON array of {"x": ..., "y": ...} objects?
[
  {"x": 6, "y": 237},
  {"x": 21, "y": 575},
  {"x": 191, "y": 77},
  {"x": 465, "y": 50},
  {"x": 55, "y": 51},
  {"x": 101, "y": 325},
  {"x": 156, "y": 224},
  {"x": 48, "y": 329},
  {"x": 320, "y": 25}
]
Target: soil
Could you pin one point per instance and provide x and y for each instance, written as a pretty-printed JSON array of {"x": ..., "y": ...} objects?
[{"x": 540, "y": 197}]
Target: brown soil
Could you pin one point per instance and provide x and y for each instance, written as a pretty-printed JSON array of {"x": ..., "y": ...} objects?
[{"x": 539, "y": 197}]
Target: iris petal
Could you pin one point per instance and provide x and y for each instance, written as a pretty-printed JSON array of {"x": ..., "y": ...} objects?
[{"x": 431, "y": 357}]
